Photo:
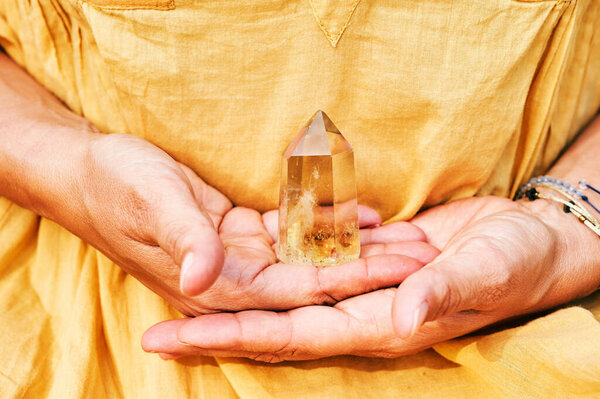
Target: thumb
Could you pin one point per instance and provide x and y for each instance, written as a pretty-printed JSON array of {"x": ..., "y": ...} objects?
[
  {"x": 187, "y": 234},
  {"x": 451, "y": 285}
]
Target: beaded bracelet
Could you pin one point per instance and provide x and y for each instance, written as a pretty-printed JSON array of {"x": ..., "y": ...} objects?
[{"x": 572, "y": 195}]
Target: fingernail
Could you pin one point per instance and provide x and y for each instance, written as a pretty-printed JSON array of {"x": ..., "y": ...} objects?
[
  {"x": 186, "y": 266},
  {"x": 419, "y": 318}
]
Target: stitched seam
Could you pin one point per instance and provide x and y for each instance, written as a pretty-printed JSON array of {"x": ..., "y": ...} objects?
[
  {"x": 169, "y": 5},
  {"x": 347, "y": 20},
  {"x": 331, "y": 38},
  {"x": 323, "y": 28}
]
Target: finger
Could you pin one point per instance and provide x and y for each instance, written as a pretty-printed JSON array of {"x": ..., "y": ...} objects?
[
  {"x": 244, "y": 222},
  {"x": 362, "y": 327},
  {"x": 393, "y": 232},
  {"x": 365, "y": 275},
  {"x": 189, "y": 237},
  {"x": 285, "y": 286},
  {"x": 246, "y": 241},
  {"x": 421, "y": 251},
  {"x": 461, "y": 282},
  {"x": 366, "y": 217},
  {"x": 162, "y": 337},
  {"x": 271, "y": 222},
  {"x": 358, "y": 326},
  {"x": 270, "y": 336}
]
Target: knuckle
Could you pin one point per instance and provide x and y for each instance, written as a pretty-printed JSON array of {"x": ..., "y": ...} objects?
[
  {"x": 136, "y": 208},
  {"x": 288, "y": 338},
  {"x": 446, "y": 304},
  {"x": 449, "y": 298},
  {"x": 173, "y": 237},
  {"x": 497, "y": 286},
  {"x": 137, "y": 204},
  {"x": 322, "y": 296},
  {"x": 368, "y": 283},
  {"x": 497, "y": 279},
  {"x": 123, "y": 180}
]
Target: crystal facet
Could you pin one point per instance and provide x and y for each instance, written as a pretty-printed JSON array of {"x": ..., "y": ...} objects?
[{"x": 318, "y": 211}]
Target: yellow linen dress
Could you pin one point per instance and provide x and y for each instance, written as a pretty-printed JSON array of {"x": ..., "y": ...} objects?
[{"x": 441, "y": 99}]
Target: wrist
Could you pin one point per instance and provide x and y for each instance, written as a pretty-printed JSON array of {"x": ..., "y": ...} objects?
[
  {"x": 576, "y": 264},
  {"x": 44, "y": 171},
  {"x": 42, "y": 146},
  {"x": 65, "y": 202}
]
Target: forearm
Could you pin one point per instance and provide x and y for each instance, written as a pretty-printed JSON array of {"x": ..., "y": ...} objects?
[
  {"x": 41, "y": 143},
  {"x": 576, "y": 242},
  {"x": 582, "y": 160}
]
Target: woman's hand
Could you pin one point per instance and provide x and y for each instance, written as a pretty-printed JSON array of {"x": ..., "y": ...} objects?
[
  {"x": 125, "y": 196},
  {"x": 500, "y": 259},
  {"x": 150, "y": 215},
  {"x": 154, "y": 217},
  {"x": 252, "y": 278}
]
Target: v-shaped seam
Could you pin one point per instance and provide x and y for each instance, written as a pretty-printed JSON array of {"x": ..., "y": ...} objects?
[{"x": 333, "y": 37}]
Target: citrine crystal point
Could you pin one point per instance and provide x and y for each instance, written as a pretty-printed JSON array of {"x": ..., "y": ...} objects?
[{"x": 318, "y": 211}]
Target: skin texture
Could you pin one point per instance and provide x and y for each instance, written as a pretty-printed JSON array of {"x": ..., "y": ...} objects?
[
  {"x": 162, "y": 224},
  {"x": 167, "y": 211},
  {"x": 149, "y": 213},
  {"x": 499, "y": 259}
]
